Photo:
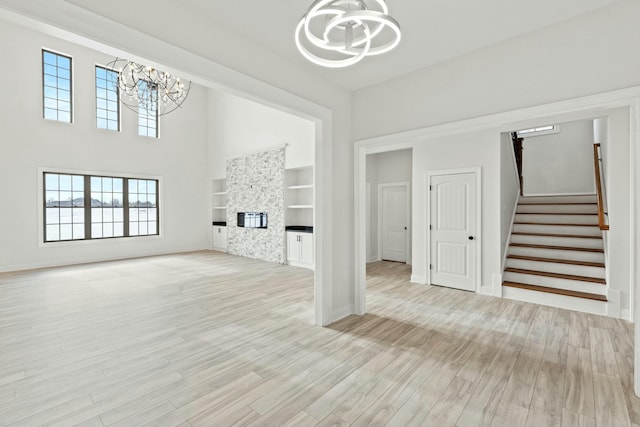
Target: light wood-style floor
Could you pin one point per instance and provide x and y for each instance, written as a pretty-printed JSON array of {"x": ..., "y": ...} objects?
[{"x": 208, "y": 339}]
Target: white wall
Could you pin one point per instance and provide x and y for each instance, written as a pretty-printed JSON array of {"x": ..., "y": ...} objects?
[
  {"x": 454, "y": 152},
  {"x": 509, "y": 190},
  {"x": 239, "y": 127},
  {"x": 385, "y": 168},
  {"x": 29, "y": 142},
  {"x": 616, "y": 156},
  {"x": 560, "y": 163},
  {"x": 590, "y": 54}
]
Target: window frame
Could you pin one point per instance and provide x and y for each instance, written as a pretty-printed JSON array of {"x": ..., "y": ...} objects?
[
  {"x": 533, "y": 132},
  {"x": 88, "y": 239},
  {"x": 144, "y": 116},
  {"x": 118, "y": 103},
  {"x": 71, "y": 82}
]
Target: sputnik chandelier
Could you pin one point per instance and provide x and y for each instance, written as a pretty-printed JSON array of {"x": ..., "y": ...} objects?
[
  {"x": 340, "y": 33},
  {"x": 144, "y": 87}
]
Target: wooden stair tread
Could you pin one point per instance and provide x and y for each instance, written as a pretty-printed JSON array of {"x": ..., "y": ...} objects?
[
  {"x": 557, "y": 223},
  {"x": 556, "y": 275},
  {"x": 585, "y": 295},
  {"x": 562, "y": 248},
  {"x": 556, "y": 213},
  {"x": 557, "y": 203},
  {"x": 577, "y": 236},
  {"x": 558, "y": 261}
]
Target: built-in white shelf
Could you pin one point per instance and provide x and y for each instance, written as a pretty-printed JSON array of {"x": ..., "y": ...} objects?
[
  {"x": 300, "y": 187},
  {"x": 300, "y": 206},
  {"x": 219, "y": 200}
]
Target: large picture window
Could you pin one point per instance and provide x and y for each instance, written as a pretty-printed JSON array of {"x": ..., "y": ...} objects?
[
  {"x": 56, "y": 86},
  {"x": 84, "y": 207}
]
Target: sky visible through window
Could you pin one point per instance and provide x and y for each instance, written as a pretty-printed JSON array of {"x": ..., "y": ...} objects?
[{"x": 56, "y": 83}]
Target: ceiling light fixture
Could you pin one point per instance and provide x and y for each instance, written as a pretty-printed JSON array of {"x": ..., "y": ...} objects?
[
  {"x": 340, "y": 33},
  {"x": 144, "y": 87}
]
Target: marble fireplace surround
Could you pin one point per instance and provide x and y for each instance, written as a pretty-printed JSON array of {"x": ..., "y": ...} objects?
[{"x": 255, "y": 183}]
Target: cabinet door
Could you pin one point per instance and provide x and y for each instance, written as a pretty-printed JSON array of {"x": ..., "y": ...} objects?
[
  {"x": 220, "y": 238},
  {"x": 293, "y": 247},
  {"x": 306, "y": 248}
]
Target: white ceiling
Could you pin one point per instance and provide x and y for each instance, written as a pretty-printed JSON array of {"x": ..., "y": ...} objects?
[{"x": 433, "y": 30}]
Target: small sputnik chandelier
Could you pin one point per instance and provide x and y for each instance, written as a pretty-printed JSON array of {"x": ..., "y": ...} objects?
[
  {"x": 144, "y": 87},
  {"x": 340, "y": 33}
]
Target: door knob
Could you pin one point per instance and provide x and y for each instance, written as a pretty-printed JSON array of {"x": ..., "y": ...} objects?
[{"x": 470, "y": 237}]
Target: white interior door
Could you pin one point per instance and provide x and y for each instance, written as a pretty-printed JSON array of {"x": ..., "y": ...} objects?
[
  {"x": 453, "y": 223},
  {"x": 394, "y": 222}
]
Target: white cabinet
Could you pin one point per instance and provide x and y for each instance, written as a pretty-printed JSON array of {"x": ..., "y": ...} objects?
[
  {"x": 220, "y": 238},
  {"x": 300, "y": 249}
]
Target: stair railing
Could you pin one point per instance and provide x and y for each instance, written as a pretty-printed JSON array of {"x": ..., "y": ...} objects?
[{"x": 603, "y": 215}]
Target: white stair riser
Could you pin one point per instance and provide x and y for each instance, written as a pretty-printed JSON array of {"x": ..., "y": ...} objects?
[
  {"x": 558, "y": 199},
  {"x": 557, "y": 229},
  {"x": 554, "y": 282},
  {"x": 573, "y": 242},
  {"x": 558, "y": 219},
  {"x": 524, "y": 208},
  {"x": 551, "y": 267},
  {"x": 553, "y": 300},
  {"x": 557, "y": 253}
]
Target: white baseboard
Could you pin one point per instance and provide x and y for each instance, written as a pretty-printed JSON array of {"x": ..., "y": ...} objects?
[
  {"x": 613, "y": 305},
  {"x": 625, "y": 314},
  {"x": 415, "y": 278},
  {"x": 342, "y": 312},
  {"x": 299, "y": 264},
  {"x": 89, "y": 260},
  {"x": 373, "y": 259}
]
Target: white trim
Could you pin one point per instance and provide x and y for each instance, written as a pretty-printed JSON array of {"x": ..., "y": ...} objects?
[
  {"x": 634, "y": 232},
  {"x": 407, "y": 187},
  {"x": 421, "y": 280},
  {"x": 477, "y": 171},
  {"x": 555, "y": 129},
  {"x": 584, "y": 107},
  {"x": 342, "y": 312},
  {"x": 91, "y": 260}
]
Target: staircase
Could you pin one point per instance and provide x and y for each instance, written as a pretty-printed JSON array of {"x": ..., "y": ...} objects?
[{"x": 556, "y": 254}]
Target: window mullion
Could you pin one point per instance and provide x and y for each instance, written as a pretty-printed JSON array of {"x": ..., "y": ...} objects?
[
  {"x": 125, "y": 204},
  {"x": 87, "y": 207}
]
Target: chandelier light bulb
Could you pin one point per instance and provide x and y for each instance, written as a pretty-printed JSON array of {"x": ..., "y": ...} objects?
[
  {"x": 340, "y": 33},
  {"x": 144, "y": 87}
]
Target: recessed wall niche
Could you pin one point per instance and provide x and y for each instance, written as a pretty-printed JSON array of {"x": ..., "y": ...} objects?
[{"x": 255, "y": 183}]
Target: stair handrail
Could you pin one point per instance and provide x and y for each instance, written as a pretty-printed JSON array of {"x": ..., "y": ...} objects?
[{"x": 600, "y": 188}]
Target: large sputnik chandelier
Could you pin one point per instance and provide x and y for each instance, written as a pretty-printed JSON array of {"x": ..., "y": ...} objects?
[
  {"x": 340, "y": 33},
  {"x": 147, "y": 88}
]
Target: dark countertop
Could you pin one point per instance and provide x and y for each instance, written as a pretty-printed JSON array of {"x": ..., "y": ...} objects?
[
  {"x": 300, "y": 228},
  {"x": 220, "y": 223}
]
